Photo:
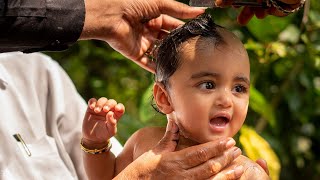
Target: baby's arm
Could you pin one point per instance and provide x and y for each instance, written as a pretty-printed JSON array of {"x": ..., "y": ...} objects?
[{"x": 99, "y": 125}]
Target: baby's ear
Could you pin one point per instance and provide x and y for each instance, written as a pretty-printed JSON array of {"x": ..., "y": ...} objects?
[{"x": 162, "y": 98}]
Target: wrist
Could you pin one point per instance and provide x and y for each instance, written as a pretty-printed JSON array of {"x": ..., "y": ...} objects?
[
  {"x": 99, "y": 150},
  {"x": 94, "y": 144},
  {"x": 100, "y": 17},
  {"x": 287, "y": 8}
]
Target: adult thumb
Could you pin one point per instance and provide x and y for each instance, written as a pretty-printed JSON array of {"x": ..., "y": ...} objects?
[{"x": 170, "y": 139}]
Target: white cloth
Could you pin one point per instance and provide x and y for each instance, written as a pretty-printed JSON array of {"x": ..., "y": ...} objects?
[{"x": 39, "y": 101}]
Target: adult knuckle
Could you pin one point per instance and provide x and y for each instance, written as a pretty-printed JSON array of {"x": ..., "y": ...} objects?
[
  {"x": 202, "y": 155},
  {"x": 214, "y": 167}
]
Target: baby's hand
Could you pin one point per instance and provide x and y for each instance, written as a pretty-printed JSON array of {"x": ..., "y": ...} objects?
[
  {"x": 100, "y": 121},
  {"x": 252, "y": 170}
]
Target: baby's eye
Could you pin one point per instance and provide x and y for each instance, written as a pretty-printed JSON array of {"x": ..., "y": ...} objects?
[
  {"x": 207, "y": 85},
  {"x": 240, "y": 89}
]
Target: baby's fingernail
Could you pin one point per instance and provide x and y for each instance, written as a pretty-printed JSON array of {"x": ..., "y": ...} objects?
[
  {"x": 107, "y": 108},
  {"x": 231, "y": 142},
  {"x": 97, "y": 109}
]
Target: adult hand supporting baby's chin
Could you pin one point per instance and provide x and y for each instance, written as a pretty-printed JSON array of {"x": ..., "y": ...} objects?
[{"x": 204, "y": 161}]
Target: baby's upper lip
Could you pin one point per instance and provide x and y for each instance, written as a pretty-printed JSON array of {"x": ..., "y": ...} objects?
[{"x": 225, "y": 115}]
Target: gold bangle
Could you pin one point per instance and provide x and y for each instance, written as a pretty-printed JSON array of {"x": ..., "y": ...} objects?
[
  {"x": 96, "y": 151},
  {"x": 277, "y": 5}
]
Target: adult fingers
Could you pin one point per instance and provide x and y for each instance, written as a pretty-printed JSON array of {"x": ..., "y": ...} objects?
[
  {"x": 223, "y": 3},
  {"x": 260, "y": 12},
  {"x": 169, "y": 141},
  {"x": 213, "y": 166},
  {"x": 146, "y": 63},
  {"x": 178, "y": 10},
  {"x": 245, "y": 15},
  {"x": 274, "y": 11},
  {"x": 169, "y": 23},
  {"x": 196, "y": 155}
]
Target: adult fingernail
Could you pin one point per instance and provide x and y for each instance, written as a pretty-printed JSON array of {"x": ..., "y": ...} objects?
[
  {"x": 201, "y": 8},
  {"x": 237, "y": 152},
  {"x": 231, "y": 142}
]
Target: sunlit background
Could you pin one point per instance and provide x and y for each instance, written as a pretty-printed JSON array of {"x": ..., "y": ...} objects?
[{"x": 283, "y": 123}]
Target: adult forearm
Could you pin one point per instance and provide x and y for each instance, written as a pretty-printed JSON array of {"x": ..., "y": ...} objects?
[{"x": 35, "y": 25}]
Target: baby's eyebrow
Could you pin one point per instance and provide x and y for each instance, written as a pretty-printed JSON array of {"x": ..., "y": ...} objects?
[
  {"x": 243, "y": 79},
  {"x": 204, "y": 74}
]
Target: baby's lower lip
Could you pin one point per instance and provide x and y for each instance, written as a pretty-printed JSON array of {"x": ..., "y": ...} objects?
[{"x": 218, "y": 125}]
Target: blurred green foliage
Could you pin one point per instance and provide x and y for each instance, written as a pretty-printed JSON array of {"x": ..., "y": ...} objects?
[{"x": 285, "y": 75}]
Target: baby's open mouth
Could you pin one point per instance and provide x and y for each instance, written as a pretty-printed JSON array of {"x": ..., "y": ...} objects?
[{"x": 219, "y": 121}]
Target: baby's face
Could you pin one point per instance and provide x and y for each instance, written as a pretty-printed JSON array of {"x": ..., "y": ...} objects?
[{"x": 209, "y": 92}]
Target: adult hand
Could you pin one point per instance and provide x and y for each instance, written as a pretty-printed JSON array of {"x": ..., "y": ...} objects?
[
  {"x": 132, "y": 26},
  {"x": 248, "y": 12},
  {"x": 203, "y": 161}
]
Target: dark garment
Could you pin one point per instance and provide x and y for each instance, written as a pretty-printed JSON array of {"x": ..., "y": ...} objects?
[{"x": 38, "y": 25}]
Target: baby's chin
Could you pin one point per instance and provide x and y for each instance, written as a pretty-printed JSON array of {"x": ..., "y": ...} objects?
[
  {"x": 212, "y": 137},
  {"x": 192, "y": 141}
]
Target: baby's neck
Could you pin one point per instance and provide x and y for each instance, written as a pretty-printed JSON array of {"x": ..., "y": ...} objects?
[{"x": 185, "y": 142}]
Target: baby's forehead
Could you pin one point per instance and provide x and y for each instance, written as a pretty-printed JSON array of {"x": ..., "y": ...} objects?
[{"x": 230, "y": 43}]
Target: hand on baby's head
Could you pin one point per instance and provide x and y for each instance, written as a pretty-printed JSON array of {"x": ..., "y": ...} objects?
[{"x": 100, "y": 122}]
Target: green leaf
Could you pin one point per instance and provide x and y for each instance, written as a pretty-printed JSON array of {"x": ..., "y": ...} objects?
[
  {"x": 146, "y": 112},
  {"x": 259, "y": 104},
  {"x": 290, "y": 34},
  {"x": 145, "y": 106},
  {"x": 257, "y": 147},
  {"x": 267, "y": 29}
]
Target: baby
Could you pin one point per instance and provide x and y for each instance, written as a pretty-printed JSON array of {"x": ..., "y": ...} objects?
[{"x": 202, "y": 83}]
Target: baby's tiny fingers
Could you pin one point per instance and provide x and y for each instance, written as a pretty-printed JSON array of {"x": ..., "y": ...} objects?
[
  {"x": 109, "y": 105},
  {"x": 111, "y": 123},
  {"x": 110, "y": 118},
  {"x": 119, "y": 111},
  {"x": 92, "y": 103},
  {"x": 100, "y": 103}
]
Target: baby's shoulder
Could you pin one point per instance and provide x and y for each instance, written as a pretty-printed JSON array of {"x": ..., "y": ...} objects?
[
  {"x": 146, "y": 138},
  {"x": 252, "y": 170}
]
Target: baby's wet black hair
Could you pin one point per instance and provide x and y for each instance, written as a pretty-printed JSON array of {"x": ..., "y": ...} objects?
[{"x": 166, "y": 55}]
